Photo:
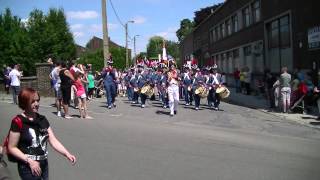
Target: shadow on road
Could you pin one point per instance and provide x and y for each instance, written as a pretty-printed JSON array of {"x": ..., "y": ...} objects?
[
  {"x": 192, "y": 108},
  {"x": 315, "y": 123},
  {"x": 306, "y": 117},
  {"x": 163, "y": 112}
]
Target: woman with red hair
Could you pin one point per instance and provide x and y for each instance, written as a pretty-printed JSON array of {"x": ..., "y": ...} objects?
[{"x": 28, "y": 137}]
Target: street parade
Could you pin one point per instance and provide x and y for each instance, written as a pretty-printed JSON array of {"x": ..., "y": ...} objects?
[
  {"x": 159, "y": 90},
  {"x": 148, "y": 81}
]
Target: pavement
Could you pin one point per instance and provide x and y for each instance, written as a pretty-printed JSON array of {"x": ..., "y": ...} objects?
[
  {"x": 133, "y": 143},
  {"x": 260, "y": 103}
]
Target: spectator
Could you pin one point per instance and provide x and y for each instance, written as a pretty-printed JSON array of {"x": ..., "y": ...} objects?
[
  {"x": 285, "y": 89},
  {"x": 269, "y": 81},
  {"x": 66, "y": 81},
  {"x": 90, "y": 78},
  {"x": 247, "y": 80},
  {"x": 55, "y": 79},
  {"x": 6, "y": 72},
  {"x": 81, "y": 95},
  {"x": 15, "y": 76},
  {"x": 236, "y": 76},
  {"x": 28, "y": 137},
  {"x": 242, "y": 83}
]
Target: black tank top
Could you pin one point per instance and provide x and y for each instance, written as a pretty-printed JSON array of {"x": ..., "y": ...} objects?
[{"x": 65, "y": 80}]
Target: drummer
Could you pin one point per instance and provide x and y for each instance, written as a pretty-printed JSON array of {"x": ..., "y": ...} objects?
[
  {"x": 216, "y": 82},
  {"x": 197, "y": 82},
  {"x": 142, "y": 80},
  {"x": 187, "y": 83},
  {"x": 134, "y": 84},
  {"x": 163, "y": 88},
  {"x": 210, "y": 86}
]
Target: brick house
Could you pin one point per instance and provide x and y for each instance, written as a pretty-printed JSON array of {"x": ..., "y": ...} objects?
[{"x": 259, "y": 34}]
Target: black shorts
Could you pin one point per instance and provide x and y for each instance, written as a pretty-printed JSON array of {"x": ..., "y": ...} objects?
[{"x": 66, "y": 95}]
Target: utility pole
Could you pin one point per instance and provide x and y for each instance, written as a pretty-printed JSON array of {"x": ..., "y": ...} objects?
[
  {"x": 105, "y": 32},
  {"x": 126, "y": 28},
  {"x": 134, "y": 48}
]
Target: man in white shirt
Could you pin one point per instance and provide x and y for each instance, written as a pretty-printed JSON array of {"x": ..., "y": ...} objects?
[
  {"x": 15, "y": 76},
  {"x": 54, "y": 76}
]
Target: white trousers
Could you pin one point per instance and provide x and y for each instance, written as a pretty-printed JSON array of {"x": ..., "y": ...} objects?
[{"x": 173, "y": 94}]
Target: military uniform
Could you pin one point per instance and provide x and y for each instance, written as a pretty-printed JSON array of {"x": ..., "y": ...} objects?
[
  {"x": 198, "y": 80},
  {"x": 187, "y": 83},
  {"x": 109, "y": 78},
  {"x": 173, "y": 91}
]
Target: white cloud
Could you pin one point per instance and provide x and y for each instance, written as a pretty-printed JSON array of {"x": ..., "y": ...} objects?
[
  {"x": 169, "y": 34},
  {"x": 78, "y": 34},
  {"x": 95, "y": 28},
  {"x": 139, "y": 20},
  {"x": 82, "y": 14},
  {"x": 75, "y": 27}
]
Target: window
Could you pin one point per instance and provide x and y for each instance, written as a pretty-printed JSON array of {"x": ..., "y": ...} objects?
[
  {"x": 284, "y": 32},
  {"x": 246, "y": 17},
  {"x": 256, "y": 11},
  {"x": 228, "y": 27},
  {"x": 216, "y": 32},
  {"x": 223, "y": 32},
  {"x": 273, "y": 34},
  {"x": 247, "y": 50},
  {"x": 211, "y": 36},
  {"x": 236, "y": 53},
  {"x": 235, "y": 25},
  {"x": 279, "y": 33}
]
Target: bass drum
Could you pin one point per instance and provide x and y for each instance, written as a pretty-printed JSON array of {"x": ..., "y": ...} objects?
[
  {"x": 223, "y": 92},
  {"x": 202, "y": 91},
  {"x": 147, "y": 90}
]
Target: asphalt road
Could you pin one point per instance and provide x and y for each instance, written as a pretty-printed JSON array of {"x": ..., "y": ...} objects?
[{"x": 131, "y": 143}]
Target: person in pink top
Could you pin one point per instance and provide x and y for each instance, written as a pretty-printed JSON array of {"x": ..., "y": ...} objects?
[{"x": 81, "y": 95}]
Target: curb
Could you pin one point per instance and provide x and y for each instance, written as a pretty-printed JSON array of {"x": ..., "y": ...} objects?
[{"x": 264, "y": 110}]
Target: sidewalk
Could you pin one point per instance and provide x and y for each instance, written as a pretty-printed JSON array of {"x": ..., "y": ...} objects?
[{"x": 261, "y": 104}]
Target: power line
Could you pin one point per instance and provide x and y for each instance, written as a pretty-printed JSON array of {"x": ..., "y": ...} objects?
[{"x": 115, "y": 12}]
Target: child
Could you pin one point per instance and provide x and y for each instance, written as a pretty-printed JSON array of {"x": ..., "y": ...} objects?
[
  {"x": 81, "y": 95},
  {"x": 91, "y": 85}
]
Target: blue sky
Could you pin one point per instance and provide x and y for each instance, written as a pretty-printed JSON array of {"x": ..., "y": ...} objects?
[{"x": 152, "y": 17}]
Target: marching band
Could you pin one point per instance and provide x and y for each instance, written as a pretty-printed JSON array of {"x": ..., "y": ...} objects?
[{"x": 167, "y": 83}]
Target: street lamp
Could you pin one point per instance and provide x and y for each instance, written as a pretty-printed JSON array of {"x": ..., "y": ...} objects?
[
  {"x": 126, "y": 27},
  {"x": 134, "y": 48}
]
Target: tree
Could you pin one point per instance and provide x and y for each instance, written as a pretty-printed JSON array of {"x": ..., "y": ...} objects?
[
  {"x": 34, "y": 41},
  {"x": 186, "y": 27},
  {"x": 154, "y": 46},
  {"x": 172, "y": 48},
  {"x": 60, "y": 39},
  {"x": 96, "y": 58},
  {"x": 14, "y": 42}
]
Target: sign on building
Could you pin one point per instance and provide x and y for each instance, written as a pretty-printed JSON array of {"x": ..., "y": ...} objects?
[{"x": 314, "y": 38}]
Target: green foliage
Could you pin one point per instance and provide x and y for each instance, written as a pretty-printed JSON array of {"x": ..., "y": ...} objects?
[
  {"x": 154, "y": 46},
  {"x": 34, "y": 41},
  {"x": 186, "y": 27},
  {"x": 96, "y": 58},
  {"x": 13, "y": 41},
  {"x": 119, "y": 57}
]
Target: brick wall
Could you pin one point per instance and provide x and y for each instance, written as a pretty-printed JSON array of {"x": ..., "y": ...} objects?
[{"x": 43, "y": 80}]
